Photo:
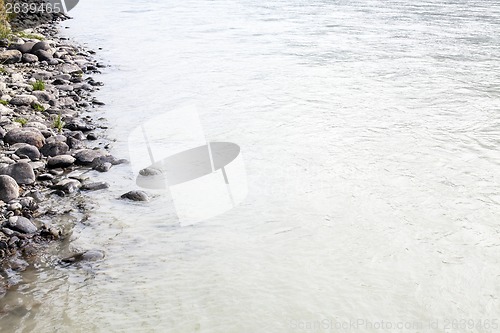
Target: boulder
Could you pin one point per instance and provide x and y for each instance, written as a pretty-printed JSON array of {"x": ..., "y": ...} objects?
[
  {"x": 40, "y": 46},
  {"x": 29, "y": 58},
  {"x": 68, "y": 185},
  {"x": 103, "y": 167},
  {"x": 54, "y": 148},
  {"x": 10, "y": 57},
  {"x": 29, "y": 135},
  {"x": 43, "y": 55},
  {"x": 60, "y": 161},
  {"x": 87, "y": 156},
  {"x": 25, "y": 48},
  {"x": 30, "y": 151},
  {"x": 23, "y": 100},
  {"x": 9, "y": 190},
  {"x": 22, "y": 172}
]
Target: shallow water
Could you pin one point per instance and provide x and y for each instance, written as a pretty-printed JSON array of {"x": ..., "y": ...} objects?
[{"x": 369, "y": 133}]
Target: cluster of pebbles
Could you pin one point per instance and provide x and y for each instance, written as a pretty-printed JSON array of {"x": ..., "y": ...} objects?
[{"x": 49, "y": 140}]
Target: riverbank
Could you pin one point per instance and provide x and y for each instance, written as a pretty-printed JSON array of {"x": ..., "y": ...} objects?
[{"x": 52, "y": 148}]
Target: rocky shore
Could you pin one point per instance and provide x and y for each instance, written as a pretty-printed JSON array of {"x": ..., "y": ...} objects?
[{"x": 49, "y": 141}]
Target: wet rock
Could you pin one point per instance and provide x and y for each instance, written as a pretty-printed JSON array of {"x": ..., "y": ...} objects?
[
  {"x": 10, "y": 57},
  {"x": 55, "y": 148},
  {"x": 29, "y": 135},
  {"x": 68, "y": 185},
  {"x": 29, "y": 58},
  {"x": 28, "y": 203},
  {"x": 107, "y": 159},
  {"x": 77, "y": 135},
  {"x": 60, "y": 161},
  {"x": 22, "y": 172},
  {"x": 103, "y": 167},
  {"x": 136, "y": 196},
  {"x": 95, "y": 186},
  {"x": 21, "y": 224},
  {"x": 9, "y": 190},
  {"x": 29, "y": 150},
  {"x": 91, "y": 136},
  {"x": 150, "y": 172},
  {"x": 14, "y": 206},
  {"x": 45, "y": 176},
  {"x": 87, "y": 156},
  {"x": 90, "y": 255},
  {"x": 23, "y": 100},
  {"x": 79, "y": 125}
]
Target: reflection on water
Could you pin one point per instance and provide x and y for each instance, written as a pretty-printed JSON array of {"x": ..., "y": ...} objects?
[{"x": 369, "y": 133}]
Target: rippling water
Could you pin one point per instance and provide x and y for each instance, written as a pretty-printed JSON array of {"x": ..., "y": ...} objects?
[{"x": 370, "y": 133}]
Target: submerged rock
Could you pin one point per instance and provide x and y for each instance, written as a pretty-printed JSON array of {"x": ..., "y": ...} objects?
[
  {"x": 94, "y": 186},
  {"x": 68, "y": 185},
  {"x": 136, "y": 196},
  {"x": 9, "y": 190},
  {"x": 90, "y": 255}
]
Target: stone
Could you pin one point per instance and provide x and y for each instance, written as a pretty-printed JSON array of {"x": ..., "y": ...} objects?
[
  {"x": 68, "y": 185},
  {"x": 136, "y": 196},
  {"x": 22, "y": 172},
  {"x": 60, "y": 161},
  {"x": 29, "y": 150},
  {"x": 147, "y": 172},
  {"x": 104, "y": 167},
  {"x": 29, "y": 135},
  {"x": 23, "y": 100},
  {"x": 54, "y": 148},
  {"x": 9, "y": 190},
  {"x": 25, "y": 48},
  {"x": 91, "y": 136},
  {"x": 15, "y": 206},
  {"x": 10, "y": 57},
  {"x": 29, "y": 58},
  {"x": 86, "y": 256},
  {"x": 87, "y": 156},
  {"x": 43, "y": 55},
  {"x": 21, "y": 224},
  {"x": 95, "y": 186},
  {"x": 107, "y": 159},
  {"x": 40, "y": 46},
  {"x": 45, "y": 176},
  {"x": 70, "y": 69},
  {"x": 28, "y": 203},
  {"x": 78, "y": 125},
  {"x": 2, "y": 132},
  {"x": 75, "y": 143},
  {"x": 43, "y": 96}
]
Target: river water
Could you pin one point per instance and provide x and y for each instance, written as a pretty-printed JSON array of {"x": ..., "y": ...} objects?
[{"x": 369, "y": 135}]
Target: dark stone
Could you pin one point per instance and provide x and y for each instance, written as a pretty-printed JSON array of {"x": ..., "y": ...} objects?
[
  {"x": 9, "y": 190},
  {"x": 136, "y": 196},
  {"x": 150, "y": 172},
  {"x": 75, "y": 143},
  {"x": 54, "y": 148},
  {"x": 91, "y": 136},
  {"x": 107, "y": 159},
  {"x": 95, "y": 186},
  {"x": 23, "y": 100},
  {"x": 78, "y": 125},
  {"x": 60, "y": 161},
  {"x": 104, "y": 167},
  {"x": 30, "y": 151},
  {"x": 22, "y": 172},
  {"x": 21, "y": 224},
  {"x": 29, "y": 58},
  {"x": 91, "y": 255},
  {"x": 41, "y": 46},
  {"x": 25, "y": 48},
  {"x": 43, "y": 55},
  {"x": 87, "y": 156},
  {"x": 68, "y": 185},
  {"x": 45, "y": 176}
]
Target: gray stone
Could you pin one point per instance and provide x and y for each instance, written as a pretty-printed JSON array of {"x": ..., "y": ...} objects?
[
  {"x": 21, "y": 224},
  {"x": 2, "y": 132},
  {"x": 29, "y": 58},
  {"x": 104, "y": 167},
  {"x": 90, "y": 255},
  {"x": 41, "y": 46},
  {"x": 25, "y": 48},
  {"x": 22, "y": 172},
  {"x": 9, "y": 190},
  {"x": 75, "y": 143},
  {"x": 87, "y": 156},
  {"x": 55, "y": 148},
  {"x": 43, "y": 96},
  {"x": 150, "y": 172},
  {"x": 79, "y": 125},
  {"x": 10, "y": 57},
  {"x": 27, "y": 135},
  {"x": 70, "y": 69},
  {"x": 45, "y": 176},
  {"x": 23, "y": 100},
  {"x": 95, "y": 186},
  {"x": 136, "y": 196},
  {"x": 43, "y": 55},
  {"x": 68, "y": 185},
  {"x": 60, "y": 161},
  {"x": 30, "y": 151}
]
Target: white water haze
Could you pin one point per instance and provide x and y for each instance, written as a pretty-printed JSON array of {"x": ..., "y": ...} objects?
[{"x": 369, "y": 134}]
